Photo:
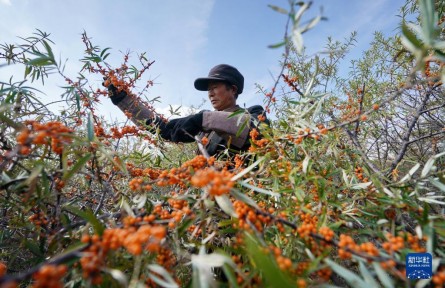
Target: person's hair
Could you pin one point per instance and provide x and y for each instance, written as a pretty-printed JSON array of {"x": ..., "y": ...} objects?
[{"x": 229, "y": 86}]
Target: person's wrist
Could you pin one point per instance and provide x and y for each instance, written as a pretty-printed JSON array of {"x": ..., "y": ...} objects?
[{"x": 116, "y": 96}]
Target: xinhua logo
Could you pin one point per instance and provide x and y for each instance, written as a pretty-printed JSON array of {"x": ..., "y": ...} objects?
[{"x": 419, "y": 266}]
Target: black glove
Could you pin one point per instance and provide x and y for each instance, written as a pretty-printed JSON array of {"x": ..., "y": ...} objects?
[
  {"x": 114, "y": 94},
  {"x": 182, "y": 129}
]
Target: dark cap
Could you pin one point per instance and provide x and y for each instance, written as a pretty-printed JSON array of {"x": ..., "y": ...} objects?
[{"x": 222, "y": 72}]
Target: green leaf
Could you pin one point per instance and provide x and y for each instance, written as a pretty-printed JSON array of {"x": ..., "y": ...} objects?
[
  {"x": 228, "y": 271},
  {"x": 278, "y": 9},
  {"x": 88, "y": 216},
  {"x": 248, "y": 169},
  {"x": 41, "y": 61},
  {"x": 260, "y": 190},
  {"x": 80, "y": 162},
  {"x": 411, "y": 37},
  {"x": 9, "y": 122},
  {"x": 34, "y": 248},
  {"x": 278, "y": 45},
  {"x": 226, "y": 205},
  {"x": 161, "y": 276},
  {"x": 383, "y": 276},
  {"x": 103, "y": 52},
  {"x": 266, "y": 264},
  {"x": 353, "y": 279},
  {"x": 244, "y": 198},
  {"x": 367, "y": 276},
  {"x": 28, "y": 70},
  {"x": 90, "y": 127},
  {"x": 428, "y": 18},
  {"x": 77, "y": 101},
  {"x": 49, "y": 51}
]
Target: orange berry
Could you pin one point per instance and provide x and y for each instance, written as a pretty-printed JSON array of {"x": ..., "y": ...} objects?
[{"x": 3, "y": 269}]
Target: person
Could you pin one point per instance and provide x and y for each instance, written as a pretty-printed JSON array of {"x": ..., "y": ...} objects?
[{"x": 224, "y": 84}]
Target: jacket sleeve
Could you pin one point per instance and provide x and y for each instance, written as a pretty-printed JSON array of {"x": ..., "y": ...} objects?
[
  {"x": 140, "y": 114},
  {"x": 228, "y": 128}
]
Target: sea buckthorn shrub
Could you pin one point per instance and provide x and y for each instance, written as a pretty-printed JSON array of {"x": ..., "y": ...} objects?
[{"x": 344, "y": 183}]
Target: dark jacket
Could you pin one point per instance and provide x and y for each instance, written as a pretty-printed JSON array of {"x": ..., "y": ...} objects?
[{"x": 221, "y": 130}]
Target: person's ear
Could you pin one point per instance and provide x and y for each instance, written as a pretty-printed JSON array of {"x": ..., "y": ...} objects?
[{"x": 235, "y": 89}]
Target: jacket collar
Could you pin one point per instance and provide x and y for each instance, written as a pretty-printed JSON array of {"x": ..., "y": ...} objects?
[{"x": 232, "y": 109}]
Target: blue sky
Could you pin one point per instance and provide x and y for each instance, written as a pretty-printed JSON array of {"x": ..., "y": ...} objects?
[{"x": 186, "y": 37}]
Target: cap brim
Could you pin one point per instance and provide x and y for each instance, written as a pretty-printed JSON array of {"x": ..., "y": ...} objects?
[{"x": 202, "y": 84}]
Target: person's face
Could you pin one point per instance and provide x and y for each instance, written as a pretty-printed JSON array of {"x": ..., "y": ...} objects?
[{"x": 221, "y": 96}]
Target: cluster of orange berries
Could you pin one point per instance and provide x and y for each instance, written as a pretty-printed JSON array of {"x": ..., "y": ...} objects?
[
  {"x": 255, "y": 135},
  {"x": 308, "y": 133},
  {"x": 269, "y": 95},
  {"x": 136, "y": 184},
  {"x": 414, "y": 243},
  {"x": 99, "y": 131},
  {"x": 308, "y": 225},
  {"x": 3, "y": 269},
  {"x": 118, "y": 82},
  {"x": 166, "y": 258},
  {"x": 51, "y": 133},
  {"x": 291, "y": 81},
  {"x": 247, "y": 216},
  {"x": 323, "y": 274},
  {"x": 38, "y": 219},
  {"x": 359, "y": 174},
  {"x": 216, "y": 182},
  {"x": 179, "y": 209},
  {"x": 204, "y": 140},
  {"x": 346, "y": 243},
  {"x": 135, "y": 237},
  {"x": 137, "y": 172},
  {"x": 347, "y": 246},
  {"x": 183, "y": 173},
  {"x": 284, "y": 263},
  {"x": 394, "y": 243},
  {"x": 49, "y": 276},
  {"x": 326, "y": 233},
  {"x": 126, "y": 130},
  {"x": 438, "y": 278}
]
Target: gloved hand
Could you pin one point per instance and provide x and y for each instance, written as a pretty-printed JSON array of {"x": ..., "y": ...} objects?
[
  {"x": 115, "y": 95},
  {"x": 183, "y": 129}
]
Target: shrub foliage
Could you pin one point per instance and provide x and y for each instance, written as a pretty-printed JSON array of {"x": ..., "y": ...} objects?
[{"x": 348, "y": 179}]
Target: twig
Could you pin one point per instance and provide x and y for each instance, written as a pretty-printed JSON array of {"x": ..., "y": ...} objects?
[{"x": 405, "y": 138}]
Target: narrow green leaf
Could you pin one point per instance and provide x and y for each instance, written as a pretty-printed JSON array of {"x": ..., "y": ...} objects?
[
  {"x": 353, "y": 279},
  {"x": 266, "y": 264},
  {"x": 411, "y": 37},
  {"x": 383, "y": 276},
  {"x": 226, "y": 205},
  {"x": 161, "y": 276},
  {"x": 77, "y": 101},
  {"x": 103, "y": 52},
  {"x": 42, "y": 61},
  {"x": 90, "y": 127},
  {"x": 79, "y": 164},
  {"x": 241, "y": 128},
  {"x": 278, "y": 45},
  {"x": 278, "y": 9},
  {"x": 34, "y": 248},
  {"x": 88, "y": 216},
  {"x": 259, "y": 190},
  {"x": 367, "y": 276},
  {"x": 49, "y": 51},
  {"x": 248, "y": 169}
]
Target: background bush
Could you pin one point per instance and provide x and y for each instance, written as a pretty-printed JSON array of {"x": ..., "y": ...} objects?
[{"x": 348, "y": 179}]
